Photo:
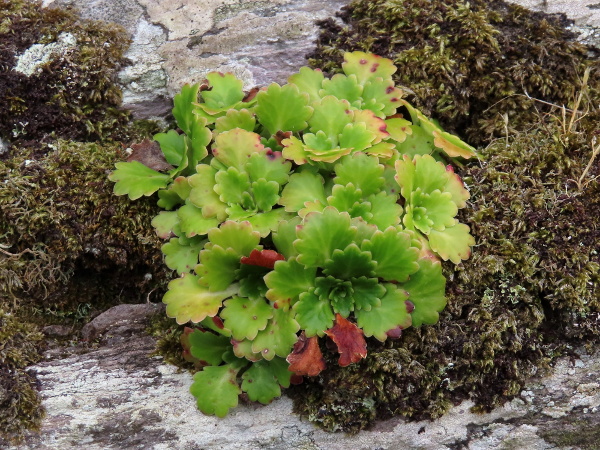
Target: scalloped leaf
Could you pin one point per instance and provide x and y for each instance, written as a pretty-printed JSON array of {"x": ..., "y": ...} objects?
[
  {"x": 208, "y": 347},
  {"x": 176, "y": 193},
  {"x": 313, "y": 314},
  {"x": 187, "y": 301},
  {"x": 417, "y": 142},
  {"x": 279, "y": 367},
  {"x": 294, "y": 150},
  {"x": 283, "y": 108},
  {"x": 362, "y": 171},
  {"x": 304, "y": 186},
  {"x": 454, "y": 243},
  {"x": 278, "y": 338},
  {"x": 269, "y": 165},
  {"x": 287, "y": 281},
  {"x": 343, "y": 87},
  {"x": 238, "y": 236},
  {"x": 349, "y": 339},
  {"x": 233, "y": 148},
  {"x": 260, "y": 384},
  {"x": 426, "y": 290},
  {"x": 366, "y": 66},
  {"x": 306, "y": 358},
  {"x": 245, "y": 317},
  {"x": 309, "y": 81},
  {"x": 320, "y": 234},
  {"x": 182, "y": 258},
  {"x": 234, "y": 118},
  {"x": 266, "y": 222},
  {"x": 356, "y": 136},
  {"x": 266, "y": 194},
  {"x": 231, "y": 184},
  {"x": 398, "y": 128},
  {"x": 439, "y": 208},
  {"x": 216, "y": 389},
  {"x": 349, "y": 263},
  {"x": 226, "y": 91},
  {"x": 192, "y": 222},
  {"x": 456, "y": 188},
  {"x": 136, "y": 180},
  {"x": 385, "y": 210},
  {"x": 392, "y": 250},
  {"x": 184, "y": 108},
  {"x": 392, "y": 313},
  {"x": 243, "y": 349},
  {"x": 331, "y": 116},
  {"x": 344, "y": 198},
  {"x": 217, "y": 267},
  {"x": 367, "y": 293},
  {"x": 381, "y": 97},
  {"x": 164, "y": 224},
  {"x": 285, "y": 235},
  {"x": 203, "y": 195},
  {"x": 173, "y": 146}
]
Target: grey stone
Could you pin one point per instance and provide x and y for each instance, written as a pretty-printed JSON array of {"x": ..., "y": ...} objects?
[{"x": 120, "y": 321}]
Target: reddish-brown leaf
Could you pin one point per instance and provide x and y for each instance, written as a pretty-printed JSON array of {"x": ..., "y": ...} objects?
[
  {"x": 349, "y": 339},
  {"x": 263, "y": 258},
  {"x": 250, "y": 95},
  {"x": 306, "y": 357},
  {"x": 149, "y": 154}
]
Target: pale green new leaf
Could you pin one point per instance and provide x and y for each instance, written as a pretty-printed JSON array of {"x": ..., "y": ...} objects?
[
  {"x": 182, "y": 258},
  {"x": 366, "y": 66},
  {"x": 309, "y": 81},
  {"x": 362, "y": 171},
  {"x": 173, "y": 146},
  {"x": 217, "y": 267},
  {"x": 454, "y": 243},
  {"x": 266, "y": 194},
  {"x": 192, "y": 222},
  {"x": 137, "y": 180},
  {"x": 231, "y": 184},
  {"x": 238, "y": 236},
  {"x": 233, "y": 148},
  {"x": 283, "y": 108},
  {"x": 268, "y": 165},
  {"x": 391, "y": 249},
  {"x": 304, "y": 186},
  {"x": 343, "y": 87},
  {"x": 226, "y": 91},
  {"x": 184, "y": 108},
  {"x": 203, "y": 195},
  {"x": 165, "y": 223},
  {"x": 385, "y": 210},
  {"x": 243, "y": 119}
]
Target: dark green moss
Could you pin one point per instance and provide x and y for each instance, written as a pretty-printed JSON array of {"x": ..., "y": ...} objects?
[
  {"x": 72, "y": 97},
  {"x": 466, "y": 63}
]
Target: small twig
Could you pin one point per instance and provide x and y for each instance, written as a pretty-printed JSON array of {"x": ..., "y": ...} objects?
[{"x": 595, "y": 150}]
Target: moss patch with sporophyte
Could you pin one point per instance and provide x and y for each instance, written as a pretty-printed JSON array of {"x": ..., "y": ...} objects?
[
  {"x": 475, "y": 66},
  {"x": 317, "y": 211}
]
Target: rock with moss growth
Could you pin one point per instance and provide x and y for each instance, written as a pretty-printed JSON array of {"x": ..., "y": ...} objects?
[
  {"x": 469, "y": 64},
  {"x": 58, "y": 74}
]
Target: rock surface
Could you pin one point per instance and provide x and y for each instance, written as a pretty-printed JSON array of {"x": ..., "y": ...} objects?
[{"x": 118, "y": 396}]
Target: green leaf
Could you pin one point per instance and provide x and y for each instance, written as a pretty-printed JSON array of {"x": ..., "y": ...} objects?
[
  {"x": 227, "y": 91},
  {"x": 243, "y": 349},
  {"x": 266, "y": 222},
  {"x": 308, "y": 81},
  {"x": 279, "y": 336},
  {"x": 350, "y": 262},
  {"x": 208, "y": 347},
  {"x": 136, "y": 180},
  {"x": 331, "y": 116},
  {"x": 260, "y": 383},
  {"x": 165, "y": 224},
  {"x": 285, "y": 235},
  {"x": 245, "y": 317},
  {"x": 279, "y": 367},
  {"x": 396, "y": 258},
  {"x": 231, "y": 184},
  {"x": 173, "y": 146},
  {"x": 192, "y": 222},
  {"x": 216, "y": 389},
  {"x": 343, "y": 87},
  {"x": 187, "y": 301},
  {"x": 287, "y": 281},
  {"x": 203, "y": 195},
  {"x": 238, "y": 236},
  {"x": 304, "y": 186},
  {"x": 426, "y": 290},
  {"x": 385, "y": 211},
  {"x": 243, "y": 119},
  {"x": 439, "y": 207},
  {"x": 398, "y": 128},
  {"x": 313, "y": 314},
  {"x": 283, "y": 108},
  {"x": 336, "y": 292},
  {"x": 344, "y": 198},
  {"x": 416, "y": 142},
  {"x": 381, "y": 97},
  {"x": 176, "y": 193},
  {"x": 184, "y": 108},
  {"x": 356, "y": 136},
  {"x": 366, "y": 66},
  {"x": 362, "y": 171},
  {"x": 269, "y": 165},
  {"x": 266, "y": 194},
  {"x": 179, "y": 257},
  {"x": 217, "y": 267},
  {"x": 454, "y": 243},
  {"x": 392, "y": 313},
  {"x": 367, "y": 293},
  {"x": 233, "y": 148}
]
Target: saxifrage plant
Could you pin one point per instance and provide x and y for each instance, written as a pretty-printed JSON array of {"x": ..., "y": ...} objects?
[{"x": 319, "y": 208}]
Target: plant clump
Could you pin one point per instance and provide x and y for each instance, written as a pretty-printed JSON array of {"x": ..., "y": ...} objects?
[
  {"x": 317, "y": 211},
  {"x": 475, "y": 66}
]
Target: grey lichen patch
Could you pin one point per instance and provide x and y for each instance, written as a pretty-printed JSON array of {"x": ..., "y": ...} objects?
[
  {"x": 35, "y": 57},
  {"x": 261, "y": 8}
]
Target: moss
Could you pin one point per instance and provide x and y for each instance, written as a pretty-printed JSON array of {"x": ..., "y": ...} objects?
[
  {"x": 583, "y": 433},
  {"x": 72, "y": 97},
  {"x": 19, "y": 402},
  {"x": 465, "y": 63}
]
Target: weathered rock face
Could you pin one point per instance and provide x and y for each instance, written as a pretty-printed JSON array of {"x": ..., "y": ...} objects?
[
  {"x": 180, "y": 42},
  {"x": 118, "y": 396}
]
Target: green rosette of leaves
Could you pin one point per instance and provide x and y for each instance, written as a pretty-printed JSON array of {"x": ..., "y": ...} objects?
[
  {"x": 433, "y": 194},
  {"x": 360, "y": 187},
  {"x": 347, "y": 279},
  {"x": 243, "y": 339}
]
